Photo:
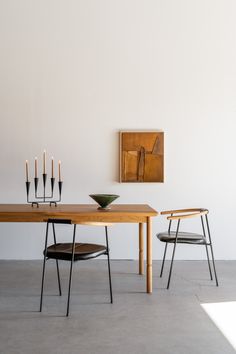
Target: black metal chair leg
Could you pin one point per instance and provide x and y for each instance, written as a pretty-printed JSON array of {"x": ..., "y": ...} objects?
[
  {"x": 205, "y": 241},
  {"x": 214, "y": 267},
  {"x": 68, "y": 300},
  {"x": 109, "y": 267},
  {"x": 171, "y": 266},
  {"x": 109, "y": 272},
  {"x": 173, "y": 255},
  {"x": 42, "y": 285},
  {"x": 57, "y": 265},
  {"x": 71, "y": 269},
  {"x": 213, "y": 260},
  {"x": 209, "y": 264},
  {"x": 44, "y": 264},
  {"x": 58, "y": 277},
  {"x": 163, "y": 261}
]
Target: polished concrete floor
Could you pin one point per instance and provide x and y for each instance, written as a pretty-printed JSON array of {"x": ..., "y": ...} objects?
[{"x": 168, "y": 321}]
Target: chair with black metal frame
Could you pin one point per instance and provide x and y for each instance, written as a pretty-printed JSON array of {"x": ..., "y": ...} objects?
[
  {"x": 177, "y": 236},
  {"x": 73, "y": 252}
]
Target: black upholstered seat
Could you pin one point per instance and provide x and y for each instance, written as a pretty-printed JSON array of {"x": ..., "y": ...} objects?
[
  {"x": 83, "y": 251},
  {"x": 183, "y": 237}
]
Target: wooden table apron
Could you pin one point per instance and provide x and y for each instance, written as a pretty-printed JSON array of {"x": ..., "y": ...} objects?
[{"x": 119, "y": 213}]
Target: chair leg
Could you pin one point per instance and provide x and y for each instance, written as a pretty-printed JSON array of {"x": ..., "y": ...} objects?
[
  {"x": 42, "y": 285},
  {"x": 171, "y": 266},
  {"x": 214, "y": 267},
  {"x": 68, "y": 299},
  {"x": 212, "y": 254},
  {"x": 44, "y": 264},
  {"x": 71, "y": 269},
  {"x": 173, "y": 255},
  {"x": 58, "y": 277},
  {"x": 108, "y": 263},
  {"x": 163, "y": 261},
  {"x": 109, "y": 273},
  {"x": 57, "y": 265},
  {"x": 209, "y": 265},
  {"x": 205, "y": 240}
]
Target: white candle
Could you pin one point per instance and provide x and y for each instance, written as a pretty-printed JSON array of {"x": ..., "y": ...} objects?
[
  {"x": 44, "y": 161},
  {"x": 27, "y": 170},
  {"x": 36, "y": 167},
  {"x": 52, "y": 168},
  {"x": 59, "y": 168}
]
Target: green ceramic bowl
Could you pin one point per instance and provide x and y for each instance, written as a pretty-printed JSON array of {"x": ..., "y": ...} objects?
[{"x": 104, "y": 199}]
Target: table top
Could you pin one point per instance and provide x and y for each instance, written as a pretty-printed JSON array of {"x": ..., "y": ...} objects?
[{"x": 76, "y": 212}]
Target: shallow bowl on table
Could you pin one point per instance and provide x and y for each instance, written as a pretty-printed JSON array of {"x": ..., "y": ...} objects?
[{"x": 104, "y": 200}]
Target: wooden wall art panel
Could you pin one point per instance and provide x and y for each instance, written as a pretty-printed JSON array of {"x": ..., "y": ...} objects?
[{"x": 142, "y": 156}]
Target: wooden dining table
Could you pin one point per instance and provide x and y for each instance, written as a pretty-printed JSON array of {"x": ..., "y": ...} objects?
[{"x": 118, "y": 213}]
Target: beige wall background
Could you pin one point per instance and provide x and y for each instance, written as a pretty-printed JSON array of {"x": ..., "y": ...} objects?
[{"x": 75, "y": 73}]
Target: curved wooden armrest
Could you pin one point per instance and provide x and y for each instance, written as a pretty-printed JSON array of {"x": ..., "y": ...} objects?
[
  {"x": 184, "y": 213},
  {"x": 86, "y": 223},
  {"x": 94, "y": 223}
]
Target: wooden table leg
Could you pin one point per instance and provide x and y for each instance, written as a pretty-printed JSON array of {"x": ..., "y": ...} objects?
[
  {"x": 149, "y": 255},
  {"x": 141, "y": 265}
]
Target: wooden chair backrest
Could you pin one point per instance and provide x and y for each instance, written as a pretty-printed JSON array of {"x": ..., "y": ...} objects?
[
  {"x": 180, "y": 214},
  {"x": 86, "y": 223}
]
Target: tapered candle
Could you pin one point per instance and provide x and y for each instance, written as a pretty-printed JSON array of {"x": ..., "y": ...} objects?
[
  {"x": 27, "y": 170},
  {"x": 52, "y": 167},
  {"x": 44, "y": 161},
  {"x": 36, "y": 167},
  {"x": 59, "y": 168}
]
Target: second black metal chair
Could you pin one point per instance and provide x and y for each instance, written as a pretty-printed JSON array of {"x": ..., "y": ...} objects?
[
  {"x": 73, "y": 252},
  {"x": 178, "y": 236}
]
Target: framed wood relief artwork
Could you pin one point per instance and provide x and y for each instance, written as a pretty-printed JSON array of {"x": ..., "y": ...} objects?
[{"x": 141, "y": 156}]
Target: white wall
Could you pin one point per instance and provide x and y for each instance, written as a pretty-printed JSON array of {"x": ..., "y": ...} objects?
[{"x": 73, "y": 73}]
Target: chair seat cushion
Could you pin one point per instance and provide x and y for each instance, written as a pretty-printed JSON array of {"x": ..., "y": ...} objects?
[
  {"x": 83, "y": 251},
  {"x": 183, "y": 237}
]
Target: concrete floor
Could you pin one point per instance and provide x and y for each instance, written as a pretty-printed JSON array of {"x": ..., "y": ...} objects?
[{"x": 168, "y": 321}]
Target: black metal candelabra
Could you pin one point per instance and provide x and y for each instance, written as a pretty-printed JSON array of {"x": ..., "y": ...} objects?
[{"x": 39, "y": 199}]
